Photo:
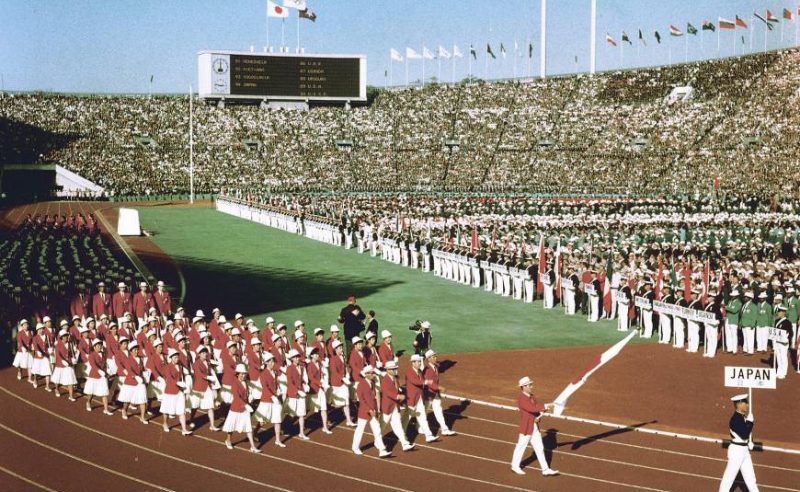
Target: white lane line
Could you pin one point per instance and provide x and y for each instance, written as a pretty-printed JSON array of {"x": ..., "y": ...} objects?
[
  {"x": 89, "y": 463},
  {"x": 25, "y": 479},
  {"x": 636, "y": 446},
  {"x": 143, "y": 448}
]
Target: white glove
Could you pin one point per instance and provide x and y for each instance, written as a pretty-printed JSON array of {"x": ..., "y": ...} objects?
[
  {"x": 139, "y": 379},
  {"x": 161, "y": 380},
  {"x": 181, "y": 384},
  {"x": 185, "y": 371},
  {"x": 248, "y": 408},
  {"x": 66, "y": 364},
  {"x": 750, "y": 445},
  {"x": 102, "y": 373},
  {"x": 213, "y": 362},
  {"x": 301, "y": 394},
  {"x": 326, "y": 386},
  {"x": 749, "y": 417},
  {"x": 346, "y": 380},
  {"x": 211, "y": 379},
  {"x": 24, "y": 350},
  {"x": 306, "y": 388},
  {"x": 275, "y": 400}
]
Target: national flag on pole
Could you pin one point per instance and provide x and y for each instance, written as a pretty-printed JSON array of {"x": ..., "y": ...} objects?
[
  {"x": 502, "y": 50},
  {"x": 395, "y": 55},
  {"x": 659, "y": 278},
  {"x": 411, "y": 54},
  {"x": 542, "y": 264},
  {"x": 708, "y": 26},
  {"x": 457, "y": 52},
  {"x": 473, "y": 52},
  {"x": 530, "y": 50},
  {"x": 690, "y": 29},
  {"x": 771, "y": 17},
  {"x": 561, "y": 399},
  {"x": 275, "y": 10},
  {"x": 757, "y": 16},
  {"x": 427, "y": 54},
  {"x": 674, "y": 31},
  {"x": 489, "y": 51},
  {"x": 607, "y": 284},
  {"x": 295, "y": 4},
  {"x": 626, "y": 38},
  {"x": 443, "y": 53},
  {"x": 641, "y": 38},
  {"x": 706, "y": 280},
  {"x": 728, "y": 24},
  {"x": 307, "y": 14},
  {"x": 558, "y": 269},
  {"x": 151, "y": 79},
  {"x": 658, "y": 37},
  {"x": 787, "y": 14},
  {"x": 687, "y": 282},
  {"x": 610, "y": 40},
  {"x": 475, "y": 244}
]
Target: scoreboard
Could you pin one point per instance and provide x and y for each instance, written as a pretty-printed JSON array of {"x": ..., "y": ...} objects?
[{"x": 280, "y": 76}]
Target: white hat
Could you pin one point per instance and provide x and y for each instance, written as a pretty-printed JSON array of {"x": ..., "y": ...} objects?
[
  {"x": 23, "y": 322},
  {"x": 238, "y": 316},
  {"x": 416, "y": 358},
  {"x": 735, "y": 292},
  {"x": 780, "y": 307},
  {"x": 356, "y": 339},
  {"x": 157, "y": 342},
  {"x": 255, "y": 341},
  {"x": 299, "y": 334},
  {"x": 275, "y": 338},
  {"x": 97, "y": 341},
  {"x": 104, "y": 316},
  {"x": 317, "y": 331},
  {"x": 748, "y": 293},
  {"x": 739, "y": 398},
  {"x": 62, "y": 333},
  {"x": 241, "y": 369},
  {"x": 311, "y": 350},
  {"x": 234, "y": 331},
  {"x": 46, "y": 319},
  {"x": 386, "y": 334},
  {"x": 292, "y": 354},
  {"x": 121, "y": 285},
  {"x": 280, "y": 326},
  {"x": 201, "y": 348},
  {"x": 249, "y": 322},
  {"x": 370, "y": 335},
  {"x": 142, "y": 284},
  {"x": 426, "y": 324},
  {"x": 368, "y": 369},
  {"x": 268, "y": 357},
  {"x": 298, "y": 323},
  {"x": 334, "y": 328},
  {"x": 75, "y": 317},
  {"x": 222, "y": 320},
  {"x": 200, "y": 313},
  {"x": 253, "y": 329},
  {"x": 133, "y": 345},
  {"x": 152, "y": 319},
  {"x": 169, "y": 323},
  {"x": 336, "y": 344},
  {"x": 270, "y": 319},
  {"x": 180, "y": 338},
  {"x": 230, "y": 344},
  {"x": 160, "y": 283},
  {"x": 525, "y": 381},
  {"x": 89, "y": 320},
  {"x": 215, "y": 310},
  {"x": 762, "y": 295},
  {"x": 180, "y": 316},
  {"x": 152, "y": 310},
  {"x": 171, "y": 352},
  {"x": 390, "y": 365},
  {"x": 83, "y": 329},
  {"x": 227, "y": 326},
  {"x": 127, "y": 317},
  {"x": 430, "y": 353}
]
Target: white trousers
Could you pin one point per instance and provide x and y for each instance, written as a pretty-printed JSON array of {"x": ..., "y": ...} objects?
[
  {"x": 535, "y": 441},
  {"x": 623, "y": 322},
  {"x": 374, "y": 427},
  {"x": 613, "y": 312},
  {"x": 529, "y": 291},
  {"x": 749, "y": 335},
  {"x": 693, "y": 333},
  {"x": 418, "y": 412},
  {"x": 476, "y": 276},
  {"x": 739, "y": 459},
  {"x": 569, "y": 301},
  {"x": 517, "y": 288},
  {"x": 665, "y": 323},
  {"x": 731, "y": 338},
  {"x": 548, "y": 296},
  {"x": 710, "y": 347},
  {"x": 393, "y": 420},
  {"x": 781, "y": 357},
  {"x": 435, "y": 404},
  {"x": 647, "y": 322},
  {"x": 762, "y": 338},
  {"x": 594, "y": 308},
  {"x": 488, "y": 282},
  {"x": 679, "y": 326}
]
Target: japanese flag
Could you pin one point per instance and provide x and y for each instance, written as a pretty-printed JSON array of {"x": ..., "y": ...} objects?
[{"x": 275, "y": 10}]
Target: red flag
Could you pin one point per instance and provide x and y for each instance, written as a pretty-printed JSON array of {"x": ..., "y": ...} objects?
[
  {"x": 542, "y": 264},
  {"x": 475, "y": 246},
  {"x": 558, "y": 269},
  {"x": 631, "y": 306},
  {"x": 660, "y": 278},
  {"x": 687, "y": 282},
  {"x": 706, "y": 280},
  {"x": 609, "y": 275}
]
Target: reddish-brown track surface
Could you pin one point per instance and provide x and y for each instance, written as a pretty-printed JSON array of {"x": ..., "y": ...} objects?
[{"x": 651, "y": 386}]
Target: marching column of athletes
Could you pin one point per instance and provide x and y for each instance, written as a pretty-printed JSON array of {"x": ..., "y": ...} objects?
[{"x": 254, "y": 377}]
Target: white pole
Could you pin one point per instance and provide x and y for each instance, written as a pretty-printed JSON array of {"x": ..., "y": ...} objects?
[
  {"x": 268, "y": 31},
  {"x": 283, "y": 32},
  {"x": 439, "y": 69},
  {"x": 453, "y": 74},
  {"x": 191, "y": 148},
  {"x": 621, "y": 53},
  {"x": 766, "y": 30},
  {"x": 686, "y": 48},
  {"x": 719, "y": 29},
  {"x": 543, "y": 42},
  {"x": 298, "y": 32},
  {"x": 423, "y": 66},
  {"x": 752, "y": 28},
  {"x": 469, "y": 62},
  {"x": 516, "y": 48},
  {"x": 408, "y": 62},
  {"x": 391, "y": 75},
  {"x": 593, "y": 39}
]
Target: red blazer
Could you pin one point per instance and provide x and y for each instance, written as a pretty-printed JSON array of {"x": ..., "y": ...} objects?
[
  {"x": 314, "y": 376},
  {"x": 371, "y": 356},
  {"x": 229, "y": 364},
  {"x": 366, "y": 399},
  {"x": 97, "y": 363},
  {"x": 321, "y": 349},
  {"x": 356, "y": 363},
  {"x": 415, "y": 384},
  {"x": 132, "y": 368},
  {"x": 163, "y": 302},
  {"x": 23, "y": 341},
  {"x": 329, "y": 345},
  {"x": 254, "y": 364},
  {"x": 239, "y": 392},
  {"x": 84, "y": 349},
  {"x": 142, "y": 303},
  {"x": 80, "y": 305},
  {"x": 431, "y": 373},
  {"x": 390, "y": 393},
  {"x": 39, "y": 347},
  {"x": 337, "y": 370},
  {"x": 201, "y": 373},
  {"x": 278, "y": 354},
  {"x": 172, "y": 375},
  {"x": 385, "y": 353},
  {"x": 120, "y": 303},
  {"x": 294, "y": 380},
  {"x": 269, "y": 385},
  {"x": 63, "y": 354},
  {"x": 266, "y": 338},
  {"x": 529, "y": 409}
]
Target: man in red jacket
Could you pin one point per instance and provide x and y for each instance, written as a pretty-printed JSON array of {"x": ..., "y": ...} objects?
[
  {"x": 120, "y": 303},
  {"x": 163, "y": 300},
  {"x": 391, "y": 400},
  {"x": 142, "y": 302},
  {"x": 368, "y": 413},
  {"x": 530, "y": 410},
  {"x": 81, "y": 303},
  {"x": 101, "y": 302},
  {"x": 433, "y": 398},
  {"x": 415, "y": 406}
]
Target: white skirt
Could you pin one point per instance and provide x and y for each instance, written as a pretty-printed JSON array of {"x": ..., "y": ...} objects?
[
  {"x": 269, "y": 412},
  {"x": 255, "y": 390},
  {"x": 173, "y": 404},
  {"x": 340, "y": 395},
  {"x": 41, "y": 367},
  {"x": 96, "y": 387},
  {"x": 64, "y": 376},
  {"x": 21, "y": 360},
  {"x": 204, "y": 400},
  {"x": 135, "y": 395},
  {"x": 317, "y": 401},
  {"x": 237, "y": 422},
  {"x": 225, "y": 394},
  {"x": 296, "y": 407}
]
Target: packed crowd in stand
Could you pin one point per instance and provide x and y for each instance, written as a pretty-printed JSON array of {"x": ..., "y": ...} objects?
[
  {"x": 633, "y": 260},
  {"x": 610, "y": 133}
]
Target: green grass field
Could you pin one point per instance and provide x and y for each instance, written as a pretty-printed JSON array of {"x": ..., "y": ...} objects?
[{"x": 241, "y": 266}]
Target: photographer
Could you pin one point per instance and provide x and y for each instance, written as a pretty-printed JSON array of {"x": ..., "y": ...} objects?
[{"x": 423, "y": 340}]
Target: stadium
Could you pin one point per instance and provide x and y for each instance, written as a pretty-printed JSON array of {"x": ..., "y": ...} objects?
[{"x": 521, "y": 269}]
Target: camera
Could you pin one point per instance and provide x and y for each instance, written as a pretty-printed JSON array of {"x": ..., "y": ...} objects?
[{"x": 416, "y": 326}]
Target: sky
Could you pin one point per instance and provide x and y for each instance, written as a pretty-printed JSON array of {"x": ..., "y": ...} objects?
[{"x": 115, "y": 46}]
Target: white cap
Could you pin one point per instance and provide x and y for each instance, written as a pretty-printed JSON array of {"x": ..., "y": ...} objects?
[
  {"x": 157, "y": 342},
  {"x": 416, "y": 358},
  {"x": 253, "y": 329},
  {"x": 298, "y": 323},
  {"x": 82, "y": 329},
  {"x": 180, "y": 338},
  {"x": 222, "y": 320},
  {"x": 227, "y": 326},
  {"x": 249, "y": 322},
  {"x": 525, "y": 381},
  {"x": 62, "y": 333},
  {"x": 368, "y": 369},
  {"x": 292, "y": 354},
  {"x": 299, "y": 334},
  {"x": 356, "y": 339},
  {"x": 268, "y": 357},
  {"x": 762, "y": 295},
  {"x": 241, "y": 369},
  {"x": 46, "y": 319},
  {"x": 23, "y": 322},
  {"x": 255, "y": 341},
  {"x": 121, "y": 285},
  {"x": 160, "y": 283},
  {"x": 234, "y": 331},
  {"x": 230, "y": 344},
  {"x": 97, "y": 341},
  {"x": 39, "y": 326},
  {"x": 275, "y": 338},
  {"x": 89, "y": 320},
  {"x": 152, "y": 319},
  {"x": 270, "y": 319},
  {"x": 200, "y": 313},
  {"x": 430, "y": 353},
  {"x": 426, "y": 324},
  {"x": 336, "y": 344},
  {"x": 390, "y": 365},
  {"x": 63, "y": 322},
  {"x": 75, "y": 317},
  {"x": 317, "y": 331},
  {"x": 311, "y": 350},
  {"x": 133, "y": 345},
  {"x": 739, "y": 398},
  {"x": 215, "y": 310},
  {"x": 238, "y": 316},
  {"x": 201, "y": 348},
  {"x": 386, "y": 334},
  {"x": 370, "y": 335},
  {"x": 172, "y": 352},
  {"x": 334, "y": 328}
]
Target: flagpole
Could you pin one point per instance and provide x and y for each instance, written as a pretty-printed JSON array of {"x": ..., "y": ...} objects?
[
  {"x": 593, "y": 39},
  {"x": 283, "y": 31},
  {"x": 766, "y": 31},
  {"x": 486, "y": 67},
  {"x": 621, "y": 54},
  {"x": 191, "y": 148},
  {"x": 702, "y": 39},
  {"x": 469, "y": 62},
  {"x": 391, "y": 70},
  {"x": 407, "y": 64},
  {"x": 267, "y": 30},
  {"x": 439, "y": 69},
  {"x": 453, "y": 73},
  {"x": 423, "y": 66},
  {"x": 752, "y": 29},
  {"x": 515, "y": 58},
  {"x": 543, "y": 41},
  {"x": 298, "y": 32}
]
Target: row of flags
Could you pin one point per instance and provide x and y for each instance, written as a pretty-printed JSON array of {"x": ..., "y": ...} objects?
[
  {"x": 445, "y": 54},
  {"x": 722, "y": 23},
  {"x": 282, "y": 11}
]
